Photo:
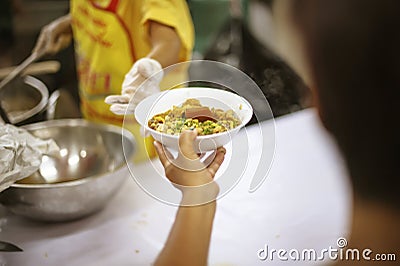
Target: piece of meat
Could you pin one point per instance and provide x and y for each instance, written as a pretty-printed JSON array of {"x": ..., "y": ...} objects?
[{"x": 200, "y": 113}]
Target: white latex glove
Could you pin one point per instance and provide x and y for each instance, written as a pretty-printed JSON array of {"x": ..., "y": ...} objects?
[
  {"x": 140, "y": 82},
  {"x": 20, "y": 154}
]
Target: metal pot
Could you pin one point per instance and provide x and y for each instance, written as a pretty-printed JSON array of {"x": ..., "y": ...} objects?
[{"x": 25, "y": 100}]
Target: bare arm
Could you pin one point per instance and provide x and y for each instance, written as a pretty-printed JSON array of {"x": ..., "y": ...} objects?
[
  {"x": 189, "y": 239},
  {"x": 165, "y": 43},
  {"x": 165, "y": 51}
]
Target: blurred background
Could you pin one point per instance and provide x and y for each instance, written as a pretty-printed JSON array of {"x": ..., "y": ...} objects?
[{"x": 236, "y": 32}]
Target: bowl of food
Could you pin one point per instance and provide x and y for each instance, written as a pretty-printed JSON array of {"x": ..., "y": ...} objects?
[
  {"x": 80, "y": 180},
  {"x": 216, "y": 114}
]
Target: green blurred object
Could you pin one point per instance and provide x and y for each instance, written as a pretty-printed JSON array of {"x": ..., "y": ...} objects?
[{"x": 209, "y": 16}]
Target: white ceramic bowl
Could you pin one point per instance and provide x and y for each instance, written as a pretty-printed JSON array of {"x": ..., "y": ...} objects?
[{"x": 163, "y": 101}]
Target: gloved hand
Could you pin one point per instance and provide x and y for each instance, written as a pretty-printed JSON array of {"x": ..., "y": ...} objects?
[
  {"x": 54, "y": 37},
  {"x": 140, "y": 82}
]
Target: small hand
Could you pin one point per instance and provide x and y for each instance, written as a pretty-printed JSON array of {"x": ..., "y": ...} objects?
[
  {"x": 140, "y": 82},
  {"x": 194, "y": 178}
]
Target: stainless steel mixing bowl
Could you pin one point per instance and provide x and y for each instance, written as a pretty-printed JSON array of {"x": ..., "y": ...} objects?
[{"x": 81, "y": 179}]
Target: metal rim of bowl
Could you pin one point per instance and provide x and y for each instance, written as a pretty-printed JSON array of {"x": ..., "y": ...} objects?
[
  {"x": 41, "y": 87},
  {"x": 78, "y": 122}
]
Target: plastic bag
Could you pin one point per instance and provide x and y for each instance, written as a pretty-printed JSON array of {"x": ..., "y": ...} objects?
[{"x": 20, "y": 154}]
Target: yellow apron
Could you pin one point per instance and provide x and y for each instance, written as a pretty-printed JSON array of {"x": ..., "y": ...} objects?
[{"x": 105, "y": 53}]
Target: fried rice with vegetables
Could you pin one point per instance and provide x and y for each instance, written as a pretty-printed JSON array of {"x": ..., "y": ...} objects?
[{"x": 173, "y": 121}]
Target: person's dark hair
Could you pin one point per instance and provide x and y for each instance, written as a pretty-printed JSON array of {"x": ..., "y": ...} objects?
[{"x": 353, "y": 47}]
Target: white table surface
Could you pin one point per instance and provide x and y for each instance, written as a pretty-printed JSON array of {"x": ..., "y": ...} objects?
[{"x": 304, "y": 203}]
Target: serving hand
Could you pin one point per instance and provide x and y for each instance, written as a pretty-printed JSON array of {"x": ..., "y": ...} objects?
[
  {"x": 140, "y": 82},
  {"x": 54, "y": 37}
]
